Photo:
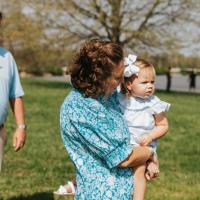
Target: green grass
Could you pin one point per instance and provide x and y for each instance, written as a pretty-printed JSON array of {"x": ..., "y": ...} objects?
[
  {"x": 179, "y": 151},
  {"x": 43, "y": 164}
]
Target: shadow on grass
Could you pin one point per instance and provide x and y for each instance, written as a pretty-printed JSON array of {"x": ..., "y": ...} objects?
[
  {"x": 36, "y": 196},
  {"x": 42, "y": 196}
]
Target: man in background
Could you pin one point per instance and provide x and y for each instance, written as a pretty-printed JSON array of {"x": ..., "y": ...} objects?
[{"x": 10, "y": 91}]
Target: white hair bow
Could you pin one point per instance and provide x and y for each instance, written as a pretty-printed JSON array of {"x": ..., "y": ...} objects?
[{"x": 130, "y": 68}]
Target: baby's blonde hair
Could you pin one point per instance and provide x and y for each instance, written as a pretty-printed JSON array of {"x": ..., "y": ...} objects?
[{"x": 142, "y": 64}]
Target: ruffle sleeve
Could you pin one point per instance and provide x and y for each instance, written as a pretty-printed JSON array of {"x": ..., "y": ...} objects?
[{"x": 158, "y": 106}]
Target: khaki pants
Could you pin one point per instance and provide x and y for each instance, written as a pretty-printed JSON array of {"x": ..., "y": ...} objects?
[{"x": 3, "y": 139}]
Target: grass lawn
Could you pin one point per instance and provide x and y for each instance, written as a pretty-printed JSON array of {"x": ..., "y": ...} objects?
[{"x": 43, "y": 164}]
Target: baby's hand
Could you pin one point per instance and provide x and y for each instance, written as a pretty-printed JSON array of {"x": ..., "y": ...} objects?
[{"x": 145, "y": 140}]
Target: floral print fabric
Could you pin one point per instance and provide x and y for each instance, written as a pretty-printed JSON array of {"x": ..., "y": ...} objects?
[{"x": 97, "y": 140}]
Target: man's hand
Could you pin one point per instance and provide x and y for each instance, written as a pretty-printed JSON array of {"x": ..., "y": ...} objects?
[
  {"x": 146, "y": 140},
  {"x": 19, "y": 138}
]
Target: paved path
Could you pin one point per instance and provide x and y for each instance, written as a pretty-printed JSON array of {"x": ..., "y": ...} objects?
[{"x": 179, "y": 82}]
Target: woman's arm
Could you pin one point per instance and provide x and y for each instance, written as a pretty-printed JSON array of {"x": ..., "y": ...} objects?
[
  {"x": 161, "y": 128},
  {"x": 139, "y": 156}
]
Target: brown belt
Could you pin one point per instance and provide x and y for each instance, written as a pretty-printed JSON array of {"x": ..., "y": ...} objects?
[{"x": 1, "y": 126}]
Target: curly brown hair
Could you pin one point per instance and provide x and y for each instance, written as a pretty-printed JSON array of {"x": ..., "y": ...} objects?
[
  {"x": 92, "y": 66},
  {"x": 142, "y": 64}
]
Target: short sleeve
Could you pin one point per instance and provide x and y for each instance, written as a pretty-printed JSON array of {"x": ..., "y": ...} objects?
[
  {"x": 158, "y": 106},
  {"x": 98, "y": 128},
  {"x": 15, "y": 85}
]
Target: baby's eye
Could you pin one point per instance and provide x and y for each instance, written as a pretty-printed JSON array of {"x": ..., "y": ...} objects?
[
  {"x": 152, "y": 82},
  {"x": 145, "y": 82}
]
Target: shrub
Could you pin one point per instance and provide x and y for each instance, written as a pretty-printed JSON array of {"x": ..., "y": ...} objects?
[
  {"x": 38, "y": 71},
  {"x": 54, "y": 70}
]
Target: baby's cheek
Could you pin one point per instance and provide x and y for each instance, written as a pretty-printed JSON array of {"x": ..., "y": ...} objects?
[{"x": 143, "y": 86}]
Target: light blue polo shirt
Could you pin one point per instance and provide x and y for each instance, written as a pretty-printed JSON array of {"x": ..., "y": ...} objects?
[{"x": 10, "y": 86}]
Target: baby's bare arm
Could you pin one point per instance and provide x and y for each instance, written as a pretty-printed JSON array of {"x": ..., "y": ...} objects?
[
  {"x": 160, "y": 130},
  {"x": 161, "y": 127}
]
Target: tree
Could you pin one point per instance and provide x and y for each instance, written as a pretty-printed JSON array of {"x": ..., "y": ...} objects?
[
  {"x": 139, "y": 24},
  {"x": 26, "y": 37},
  {"x": 149, "y": 27}
]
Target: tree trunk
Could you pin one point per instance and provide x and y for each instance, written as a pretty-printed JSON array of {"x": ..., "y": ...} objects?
[{"x": 168, "y": 76}]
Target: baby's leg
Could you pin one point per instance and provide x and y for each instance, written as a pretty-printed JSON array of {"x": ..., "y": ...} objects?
[{"x": 139, "y": 182}]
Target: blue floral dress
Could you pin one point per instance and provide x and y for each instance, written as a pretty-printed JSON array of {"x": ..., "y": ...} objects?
[{"x": 97, "y": 140}]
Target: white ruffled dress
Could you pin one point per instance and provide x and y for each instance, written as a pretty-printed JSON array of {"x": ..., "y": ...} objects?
[{"x": 139, "y": 115}]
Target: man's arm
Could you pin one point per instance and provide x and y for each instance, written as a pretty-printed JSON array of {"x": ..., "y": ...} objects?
[{"x": 19, "y": 136}]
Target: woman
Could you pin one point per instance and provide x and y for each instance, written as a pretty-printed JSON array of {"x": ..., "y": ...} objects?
[{"x": 92, "y": 126}]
